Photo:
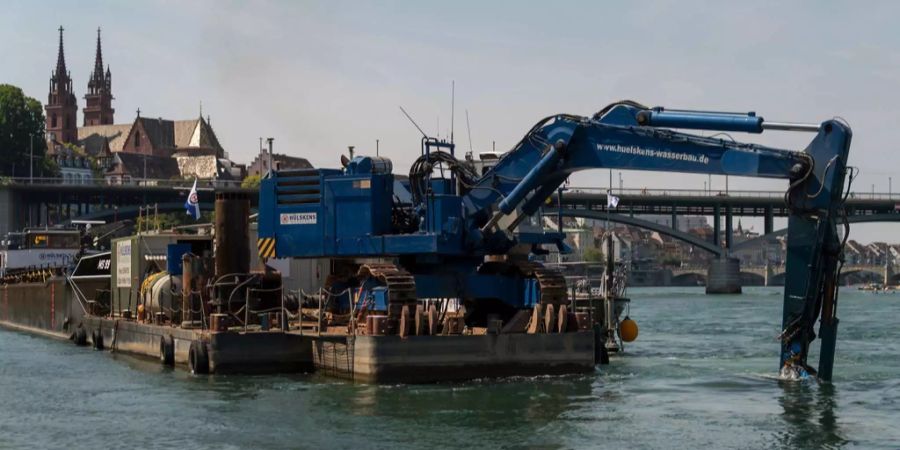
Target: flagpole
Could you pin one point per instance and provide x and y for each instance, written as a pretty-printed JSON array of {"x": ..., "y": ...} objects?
[{"x": 608, "y": 194}]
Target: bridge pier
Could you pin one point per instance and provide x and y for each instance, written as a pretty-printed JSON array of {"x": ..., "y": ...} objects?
[
  {"x": 717, "y": 225},
  {"x": 724, "y": 276},
  {"x": 729, "y": 228}
]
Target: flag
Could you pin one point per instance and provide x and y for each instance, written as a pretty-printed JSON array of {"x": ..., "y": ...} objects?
[
  {"x": 192, "y": 204},
  {"x": 611, "y": 200}
]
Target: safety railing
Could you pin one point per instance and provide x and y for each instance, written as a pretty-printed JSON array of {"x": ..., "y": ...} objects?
[
  {"x": 131, "y": 182},
  {"x": 625, "y": 192}
]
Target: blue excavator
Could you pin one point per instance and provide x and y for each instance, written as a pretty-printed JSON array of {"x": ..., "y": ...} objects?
[{"x": 451, "y": 231}]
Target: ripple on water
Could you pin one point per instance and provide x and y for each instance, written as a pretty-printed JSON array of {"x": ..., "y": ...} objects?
[{"x": 702, "y": 374}]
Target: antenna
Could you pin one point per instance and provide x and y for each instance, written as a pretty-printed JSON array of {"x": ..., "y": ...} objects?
[
  {"x": 413, "y": 122},
  {"x": 452, "y": 107},
  {"x": 469, "y": 130}
]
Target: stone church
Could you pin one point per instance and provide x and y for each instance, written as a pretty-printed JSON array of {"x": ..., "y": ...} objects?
[{"x": 145, "y": 149}]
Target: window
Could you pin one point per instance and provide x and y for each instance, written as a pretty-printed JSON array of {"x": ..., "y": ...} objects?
[
  {"x": 137, "y": 138},
  {"x": 53, "y": 121},
  {"x": 39, "y": 241}
]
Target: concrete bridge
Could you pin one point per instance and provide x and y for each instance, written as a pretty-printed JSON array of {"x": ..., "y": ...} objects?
[
  {"x": 51, "y": 201},
  {"x": 773, "y": 275},
  {"x": 724, "y": 273},
  {"x": 860, "y": 207}
]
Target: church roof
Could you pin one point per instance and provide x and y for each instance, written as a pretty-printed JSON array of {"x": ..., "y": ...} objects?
[
  {"x": 195, "y": 133},
  {"x": 158, "y": 167},
  {"x": 160, "y": 132},
  {"x": 91, "y": 138},
  {"x": 190, "y": 136}
]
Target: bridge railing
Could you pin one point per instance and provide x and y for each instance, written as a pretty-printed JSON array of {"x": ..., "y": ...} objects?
[
  {"x": 135, "y": 182},
  {"x": 714, "y": 193}
]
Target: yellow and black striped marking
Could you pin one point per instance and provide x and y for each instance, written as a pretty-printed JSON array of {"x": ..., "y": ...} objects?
[{"x": 266, "y": 247}]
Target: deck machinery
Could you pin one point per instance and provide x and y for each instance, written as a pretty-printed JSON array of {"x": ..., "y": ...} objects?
[{"x": 449, "y": 232}]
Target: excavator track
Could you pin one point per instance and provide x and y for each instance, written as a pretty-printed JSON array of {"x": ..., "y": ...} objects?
[
  {"x": 400, "y": 283},
  {"x": 551, "y": 282}
]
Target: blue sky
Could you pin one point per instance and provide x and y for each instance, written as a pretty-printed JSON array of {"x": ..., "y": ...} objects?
[{"x": 319, "y": 76}]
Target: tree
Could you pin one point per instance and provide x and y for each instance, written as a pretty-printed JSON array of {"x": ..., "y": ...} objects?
[
  {"x": 251, "y": 182},
  {"x": 21, "y": 121},
  {"x": 593, "y": 254}
]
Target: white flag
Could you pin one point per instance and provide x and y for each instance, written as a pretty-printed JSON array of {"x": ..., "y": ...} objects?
[
  {"x": 611, "y": 200},
  {"x": 192, "y": 204}
]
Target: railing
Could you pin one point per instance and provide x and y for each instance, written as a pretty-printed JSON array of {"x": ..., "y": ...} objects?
[
  {"x": 714, "y": 193},
  {"x": 151, "y": 182},
  {"x": 133, "y": 182}
]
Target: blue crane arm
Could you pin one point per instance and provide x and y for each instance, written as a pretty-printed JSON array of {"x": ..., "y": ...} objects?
[
  {"x": 625, "y": 137},
  {"x": 628, "y": 136}
]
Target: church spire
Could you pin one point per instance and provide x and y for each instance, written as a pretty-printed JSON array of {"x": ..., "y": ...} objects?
[
  {"x": 61, "y": 106},
  {"x": 98, "y": 59},
  {"x": 61, "y": 56},
  {"x": 98, "y": 109}
]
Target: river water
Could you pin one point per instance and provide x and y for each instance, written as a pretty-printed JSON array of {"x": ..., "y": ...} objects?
[{"x": 700, "y": 375}]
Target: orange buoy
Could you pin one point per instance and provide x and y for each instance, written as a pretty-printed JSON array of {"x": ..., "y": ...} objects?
[{"x": 628, "y": 329}]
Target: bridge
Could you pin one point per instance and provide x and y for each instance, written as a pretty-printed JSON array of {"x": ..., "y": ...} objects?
[
  {"x": 49, "y": 201},
  {"x": 724, "y": 274},
  {"x": 585, "y": 202},
  {"x": 770, "y": 275},
  {"x": 28, "y": 202}
]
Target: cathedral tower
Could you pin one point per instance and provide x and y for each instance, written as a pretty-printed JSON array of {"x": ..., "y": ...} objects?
[
  {"x": 98, "y": 101},
  {"x": 61, "y": 104}
]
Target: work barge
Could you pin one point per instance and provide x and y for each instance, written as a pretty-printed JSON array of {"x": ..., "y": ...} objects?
[
  {"x": 209, "y": 303},
  {"x": 437, "y": 275}
]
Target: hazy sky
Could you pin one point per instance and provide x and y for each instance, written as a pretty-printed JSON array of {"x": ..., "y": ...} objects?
[{"x": 321, "y": 76}]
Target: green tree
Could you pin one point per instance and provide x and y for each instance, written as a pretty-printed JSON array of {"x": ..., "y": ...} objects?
[
  {"x": 170, "y": 220},
  {"x": 593, "y": 254},
  {"x": 21, "y": 121},
  {"x": 251, "y": 182}
]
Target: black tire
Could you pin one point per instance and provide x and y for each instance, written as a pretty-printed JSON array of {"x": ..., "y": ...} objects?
[
  {"x": 97, "y": 339},
  {"x": 80, "y": 336},
  {"x": 198, "y": 358},
  {"x": 167, "y": 350}
]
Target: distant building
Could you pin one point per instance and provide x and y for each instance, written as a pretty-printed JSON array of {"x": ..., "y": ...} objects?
[
  {"x": 161, "y": 137},
  {"x": 98, "y": 108},
  {"x": 191, "y": 146},
  {"x": 621, "y": 247},
  {"x": 684, "y": 223},
  {"x": 127, "y": 168},
  {"x": 74, "y": 166},
  {"x": 209, "y": 167},
  {"x": 61, "y": 107},
  {"x": 279, "y": 162}
]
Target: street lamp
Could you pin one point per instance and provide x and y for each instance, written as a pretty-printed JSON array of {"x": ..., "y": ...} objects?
[
  {"x": 31, "y": 159},
  {"x": 889, "y": 187}
]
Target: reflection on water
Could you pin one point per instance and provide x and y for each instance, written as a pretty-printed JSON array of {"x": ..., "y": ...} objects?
[
  {"x": 701, "y": 376},
  {"x": 810, "y": 415}
]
